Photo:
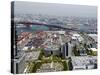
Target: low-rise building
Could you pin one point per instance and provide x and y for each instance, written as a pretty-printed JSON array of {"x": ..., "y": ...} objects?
[
  {"x": 32, "y": 55},
  {"x": 93, "y": 50},
  {"x": 84, "y": 62}
]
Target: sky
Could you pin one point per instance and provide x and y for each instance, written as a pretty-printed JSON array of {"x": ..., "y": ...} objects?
[{"x": 21, "y": 7}]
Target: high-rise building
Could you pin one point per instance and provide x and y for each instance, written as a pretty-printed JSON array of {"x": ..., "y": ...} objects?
[{"x": 66, "y": 50}]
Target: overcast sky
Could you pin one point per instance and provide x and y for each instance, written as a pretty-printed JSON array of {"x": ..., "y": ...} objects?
[{"x": 55, "y": 9}]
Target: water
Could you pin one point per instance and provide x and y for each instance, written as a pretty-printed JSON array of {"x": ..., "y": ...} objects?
[
  {"x": 45, "y": 28},
  {"x": 35, "y": 27},
  {"x": 31, "y": 29}
]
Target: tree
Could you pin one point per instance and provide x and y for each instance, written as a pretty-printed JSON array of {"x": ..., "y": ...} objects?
[
  {"x": 76, "y": 51},
  {"x": 65, "y": 65}
]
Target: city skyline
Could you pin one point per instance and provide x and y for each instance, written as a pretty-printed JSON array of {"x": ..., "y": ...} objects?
[{"x": 53, "y": 37}]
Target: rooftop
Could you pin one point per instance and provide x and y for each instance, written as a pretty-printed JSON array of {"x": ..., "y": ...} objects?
[
  {"x": 30, "y": 56},
  {"x": 93, "y": 36},
  {"x": 83, "y": 60}
]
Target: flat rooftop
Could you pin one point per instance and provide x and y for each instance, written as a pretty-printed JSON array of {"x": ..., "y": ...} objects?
[
  {"x": 83, "y": 60},
  {"x": 93, "y": 36}
]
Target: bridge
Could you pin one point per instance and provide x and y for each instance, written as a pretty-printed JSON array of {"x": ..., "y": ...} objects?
[{"x": 29, "y": 24}]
